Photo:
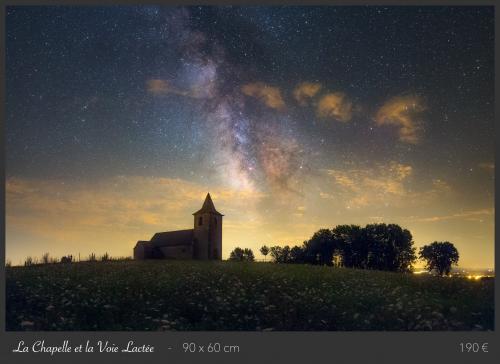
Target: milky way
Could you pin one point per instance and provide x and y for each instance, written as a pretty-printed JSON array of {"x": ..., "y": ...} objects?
[{"x": 248, "y": 148}]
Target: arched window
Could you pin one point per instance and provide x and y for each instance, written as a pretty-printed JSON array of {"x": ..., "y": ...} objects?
[{"x": 200, "y": 221}]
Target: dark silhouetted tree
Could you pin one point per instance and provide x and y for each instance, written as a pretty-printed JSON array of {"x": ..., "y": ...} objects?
[
  {"x": 248, "y": 255},
  {"x": 376, "y": 246},
  {"x": 297, "y": 255},
  {"x": 236, "y": 255},
  {"x": 280, "y": 254},
  {"x": 285, "y": 254},
  {"x": 275, "y": 252},
  {"x": 320, "y": 248},
  {"x": 264, "y": 251},
  {"x": 350, "y": 245},
  {"x": 241, "y": 255},
  {"x": 390, "y": 247},
  {"x": 439, "y": 256}
]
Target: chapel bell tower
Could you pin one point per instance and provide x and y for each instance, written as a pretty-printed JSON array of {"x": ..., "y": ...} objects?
[{"x": 207, "y": 232}]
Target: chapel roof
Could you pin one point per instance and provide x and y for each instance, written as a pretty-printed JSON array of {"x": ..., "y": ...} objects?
[{"x": 173, "y": 238}]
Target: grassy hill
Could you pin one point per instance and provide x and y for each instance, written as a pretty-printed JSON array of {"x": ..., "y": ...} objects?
[{"x": 188, "y": 295}]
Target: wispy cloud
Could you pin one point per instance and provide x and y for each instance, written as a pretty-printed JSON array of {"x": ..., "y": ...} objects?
[
  {"x": 487, "y": 166},
  {"x": 162, "y": 87},
  {"x": 305, "y": 91},
  {"x": 386, "y": 184},
  {"x": 473, "y": 215},
  {"x": 336, "y": 106},
  {"x": 199, "y": 82},
  {"x": 269, "y": 95},
  {"x": 402, "y": 112}
]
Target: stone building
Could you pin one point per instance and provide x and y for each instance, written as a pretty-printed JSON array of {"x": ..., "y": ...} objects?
[{"x": 203, "y": 242}]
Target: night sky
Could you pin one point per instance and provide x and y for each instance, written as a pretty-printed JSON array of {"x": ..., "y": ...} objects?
[{"x": 119, "y": 120}]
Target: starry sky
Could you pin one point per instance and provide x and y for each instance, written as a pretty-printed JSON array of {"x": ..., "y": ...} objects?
[{"x": 119, "y": 120}]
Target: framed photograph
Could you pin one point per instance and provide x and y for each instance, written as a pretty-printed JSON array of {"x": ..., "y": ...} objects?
[{"x": 221, "y": 182}]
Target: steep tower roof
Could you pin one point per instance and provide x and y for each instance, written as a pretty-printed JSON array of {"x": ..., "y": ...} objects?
[{"x": 208, "y": 206}]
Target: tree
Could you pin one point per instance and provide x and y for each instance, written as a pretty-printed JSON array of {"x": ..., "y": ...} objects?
[
  {"x": 350, "y": 245},
  {"x": 285, "y": 254},
  {"x": 236, "y": 255},
  {"x": 280, "y": 254},
  {"x": 390, "y": 247},
  {"x": 275, "y": 252},
  {"x": 264, "y": 251},
  {"x": 320, "y": 248},
  {"x": 439, "y": 256},
  {"x": 242, "y": 255},
  {"x": 376, "y": 246},
  {"x": 248, "y": 255},
  {"x": 297, "y": 255}
]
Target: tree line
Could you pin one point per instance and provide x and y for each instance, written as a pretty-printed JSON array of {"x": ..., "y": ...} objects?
[{"x": 386, "y": 247}]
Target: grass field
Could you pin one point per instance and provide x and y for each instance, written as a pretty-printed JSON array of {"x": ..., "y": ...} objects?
[{"x": 187, "y": 295}]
